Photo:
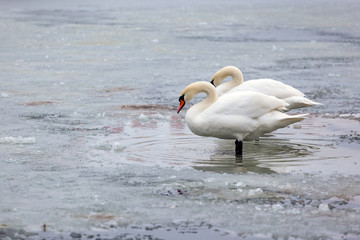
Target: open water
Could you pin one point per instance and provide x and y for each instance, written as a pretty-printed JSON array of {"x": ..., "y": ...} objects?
[{"x": 91, "y": 145}]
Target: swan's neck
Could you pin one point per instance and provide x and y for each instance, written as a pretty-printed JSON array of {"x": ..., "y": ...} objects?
[
  {"x": 237, "y": 79},
  {"x": 211, "y": 97}
]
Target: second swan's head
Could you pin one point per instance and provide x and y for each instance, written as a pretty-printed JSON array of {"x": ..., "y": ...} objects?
[{"x": 225, "y": 72}]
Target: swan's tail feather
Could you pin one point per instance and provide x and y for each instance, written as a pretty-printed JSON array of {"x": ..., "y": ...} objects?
[
  {"x": 275, "y": 120},
  {"x": 290, "y": 119},
  {"x": 300, "y": 102},
  {"x": 316, "y": 103},
  {"x": 310, "y": 103}
]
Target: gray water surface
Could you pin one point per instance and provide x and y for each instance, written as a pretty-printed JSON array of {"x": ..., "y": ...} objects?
[{"x": 91, "y": 144}]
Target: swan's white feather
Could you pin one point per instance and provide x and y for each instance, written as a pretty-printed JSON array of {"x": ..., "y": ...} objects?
[
  {"x": 251, "y": 104},
  {"x": 270, "y": 87}
]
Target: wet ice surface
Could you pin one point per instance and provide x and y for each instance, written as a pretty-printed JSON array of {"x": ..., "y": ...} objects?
[{"x": 91, "y": 144}]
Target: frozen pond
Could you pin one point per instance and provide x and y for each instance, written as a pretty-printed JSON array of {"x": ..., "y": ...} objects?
[{"x": 91, "y": 145}]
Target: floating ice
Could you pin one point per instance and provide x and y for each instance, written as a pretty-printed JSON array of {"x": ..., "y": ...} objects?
[
  {"x": 17, "y": 140},
  {"x": 324, "y": 208},
  {"x": 277, "y": 207},
  {"x": 239, "y": 184},
  {"x": 255, "y": 192},
  {"x": 4, "y": 95},
  {"x": 142, "y": 117},
  {"x": 117, "y": 147}
]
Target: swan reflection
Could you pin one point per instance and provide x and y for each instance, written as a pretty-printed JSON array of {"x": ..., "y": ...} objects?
[{"x": 269, "y": 155}]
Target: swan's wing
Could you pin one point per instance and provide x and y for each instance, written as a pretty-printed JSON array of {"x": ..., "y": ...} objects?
[
  {"x": 250, "y": 104},
  {"x": 269, "y": 87}
]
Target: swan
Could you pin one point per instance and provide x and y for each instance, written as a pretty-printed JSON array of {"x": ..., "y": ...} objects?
[
  {"x": 290, "y": 95},
  {"x": 239, "y": 115}
]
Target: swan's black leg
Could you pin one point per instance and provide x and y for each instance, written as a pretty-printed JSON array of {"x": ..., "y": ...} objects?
[{"x": 238, "y": 148}]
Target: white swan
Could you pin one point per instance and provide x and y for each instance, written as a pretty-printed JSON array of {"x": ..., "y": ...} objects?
[
  {"x": 238, "y": 115},
  {"x": 271, "y": 87}
]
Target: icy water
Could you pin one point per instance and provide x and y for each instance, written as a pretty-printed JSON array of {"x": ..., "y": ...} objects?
[{"x": 91, "y": 145}]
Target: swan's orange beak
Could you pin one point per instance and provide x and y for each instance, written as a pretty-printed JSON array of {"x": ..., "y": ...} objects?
[{"x": 182, "y": 103}]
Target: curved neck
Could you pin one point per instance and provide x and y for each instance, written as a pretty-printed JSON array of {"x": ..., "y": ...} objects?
[
  {"x": 235, "y": 73},
  {"x": 194, "y": 119},
  {"x": 211, "y": 95}
]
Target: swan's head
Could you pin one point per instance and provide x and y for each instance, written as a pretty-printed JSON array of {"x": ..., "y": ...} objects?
[
  {"x": 192, "y": 90},
  {"x": 186, "y": 95},
  {"x": 225, "y": 72}
]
